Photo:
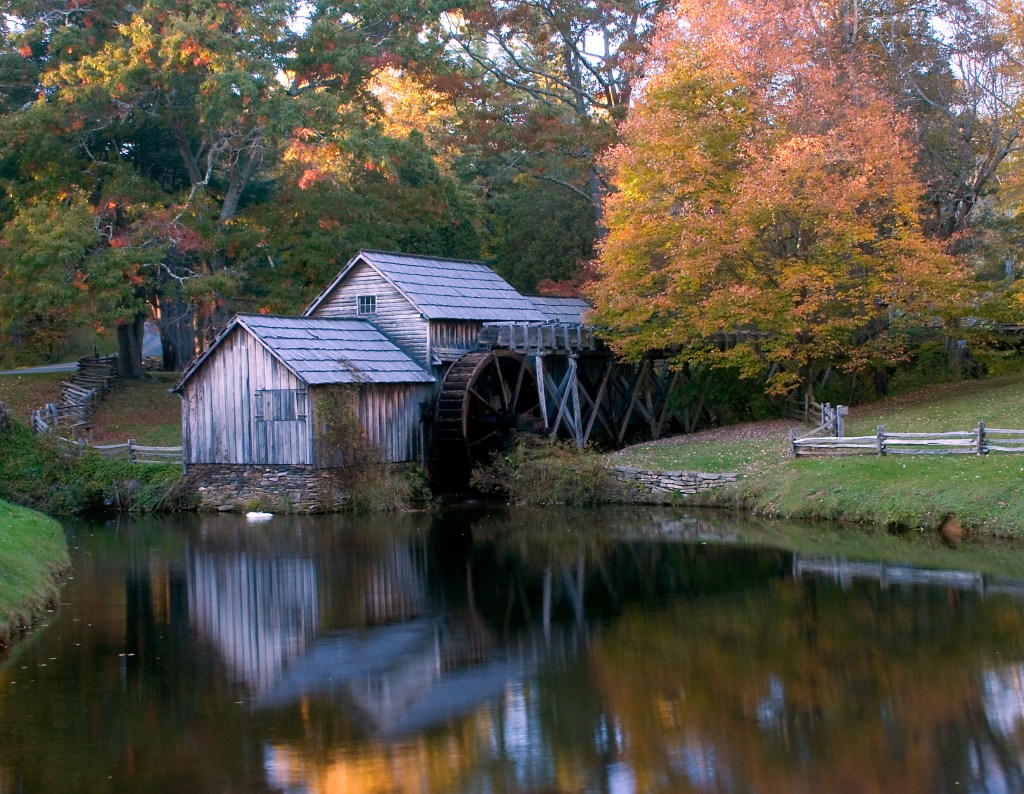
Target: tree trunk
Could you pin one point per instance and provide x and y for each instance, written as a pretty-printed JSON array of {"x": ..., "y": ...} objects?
[
  {"x": 129, "y": 347},
  {"x": 177, "y": 334}
]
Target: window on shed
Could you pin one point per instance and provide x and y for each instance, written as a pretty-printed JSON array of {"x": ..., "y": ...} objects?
[
  {"x": 280, "y": 405},
  {"x": 366, "y": 304}
]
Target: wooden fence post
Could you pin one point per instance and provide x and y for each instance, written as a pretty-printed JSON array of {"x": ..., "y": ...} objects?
[
  {"x": 792, "y": 442},
  {"x": 880, "y": 440},
  {"x": 981, "y": 438},
  {"x": 131, "y": 456},
  {"x": 841, "y": 411}
]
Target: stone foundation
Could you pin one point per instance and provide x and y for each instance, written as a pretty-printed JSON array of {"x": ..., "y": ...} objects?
[
  {"x": 274, "y": 488},
  {"x": 644, "y": 485}
]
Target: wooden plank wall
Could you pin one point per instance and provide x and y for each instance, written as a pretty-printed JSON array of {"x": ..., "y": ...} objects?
[
  {"x": 390, "y": 416},
  {"x": 396, "y": 317},
  {"x": 218, "y": 411},
  {"x": 454, "y": 334}
]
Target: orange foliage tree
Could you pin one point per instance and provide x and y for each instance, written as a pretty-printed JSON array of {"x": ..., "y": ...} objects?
[{"x": 767, "y": 212}]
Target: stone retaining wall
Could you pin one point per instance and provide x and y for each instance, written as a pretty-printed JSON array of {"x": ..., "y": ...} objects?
[
  {"x": 645, "y": 485},
  {"x": 277, "y": 488}
]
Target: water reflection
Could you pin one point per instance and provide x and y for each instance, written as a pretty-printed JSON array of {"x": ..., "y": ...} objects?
[{"x": 485, "y": 650}]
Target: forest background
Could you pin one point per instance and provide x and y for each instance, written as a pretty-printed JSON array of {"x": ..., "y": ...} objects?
[{"x": 833, "y": 183}]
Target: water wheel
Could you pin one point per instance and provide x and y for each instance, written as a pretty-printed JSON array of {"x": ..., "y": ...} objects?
[{"x": 486, "y": 397}]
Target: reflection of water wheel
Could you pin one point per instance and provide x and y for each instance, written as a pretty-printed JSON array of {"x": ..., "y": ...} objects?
[{"x": 485, "y": 397}]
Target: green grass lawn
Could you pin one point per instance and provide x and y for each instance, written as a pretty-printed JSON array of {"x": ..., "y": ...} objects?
[
  {"x": 985, "y": 493},
  {"x": 709, "y": 456},
  {"x": 32, "y": 553},
  {"x": 142, "y": 410},
  {"x": 998, "y": 402}
]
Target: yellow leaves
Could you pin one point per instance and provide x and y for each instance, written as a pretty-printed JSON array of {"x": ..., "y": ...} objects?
[{"x": 749, "y": 200}]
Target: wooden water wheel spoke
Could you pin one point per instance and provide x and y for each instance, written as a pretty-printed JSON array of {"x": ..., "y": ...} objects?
[
  {"x": 502, "y": 386},
  {"x": 485, "y": 396},
  {"x": 520, "y": 376},
  {"x": 484, "y": 438},
  {"x": 486, "y": 403}
]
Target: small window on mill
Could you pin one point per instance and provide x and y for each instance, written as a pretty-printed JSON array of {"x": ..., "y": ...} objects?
[
  {"x": 280, "y": 405},
  {"x": 367, "y": 304}
]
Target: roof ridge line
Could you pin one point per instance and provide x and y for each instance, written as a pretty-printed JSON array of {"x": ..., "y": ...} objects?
[
  {"x": 302, "y": 317},
  {"x": 426, "y": 256}
]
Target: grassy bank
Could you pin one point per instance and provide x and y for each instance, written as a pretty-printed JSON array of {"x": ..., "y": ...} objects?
[
  {"x": 33, "y": 553},
  {"x": 143, "y": 410},
  {"x": 984, "y": 494},
  {"x": 46, "y": 474}
]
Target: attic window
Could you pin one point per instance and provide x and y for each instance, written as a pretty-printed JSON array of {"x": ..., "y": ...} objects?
[
  {"x": 366, "y": 304},
  {"x": 280, "y": 405}
]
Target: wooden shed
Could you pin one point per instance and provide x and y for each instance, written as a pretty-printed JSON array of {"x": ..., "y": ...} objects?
[
  {"x": 432, "y": 308},
  {"x": 269, "y": 388}
]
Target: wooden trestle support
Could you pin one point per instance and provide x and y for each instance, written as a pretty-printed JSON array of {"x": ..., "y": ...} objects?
[{"x": 550, "y": 379}]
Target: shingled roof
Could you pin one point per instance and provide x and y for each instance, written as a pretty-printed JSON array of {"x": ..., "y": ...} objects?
[
  {"x": 561, "y": 310},
  {"x": 445, "y": 289},
  {"x": 324, "y": 351}
]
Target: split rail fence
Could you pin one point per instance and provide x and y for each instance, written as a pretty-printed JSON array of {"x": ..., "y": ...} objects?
[
  {"x": 132, "y": 452},
  {"x": 980, "y": 440},
  {"x": 828, "y": 419},
  {"x": 92, "y": 380}
]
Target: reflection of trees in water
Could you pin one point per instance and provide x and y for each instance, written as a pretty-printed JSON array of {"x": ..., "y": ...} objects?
[
  {"x": 590, "y": 655},
  {"x": 712, "y": 670},
  {"x": 120, "y": 698},
  {"x": 813, "y": 690}
]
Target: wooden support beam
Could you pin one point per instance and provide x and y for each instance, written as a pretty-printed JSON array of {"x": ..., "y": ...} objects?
[
  {"x": 574, "y": 387},
  {"x": 673, "y": 379},
  {"x": 565, "y": 392},
  {"x": 538, "y": 367},
  {"x": 649, "y": 401},
  {"x": 637, "y": 387},
  {"x": 598, "y": 402}
]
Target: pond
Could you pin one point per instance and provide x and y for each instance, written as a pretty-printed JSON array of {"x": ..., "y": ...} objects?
[{"x": 484, "y": 649}]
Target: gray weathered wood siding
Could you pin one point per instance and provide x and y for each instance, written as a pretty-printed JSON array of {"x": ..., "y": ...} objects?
[
  {"x": 388, "y": 415},
  {"x": 454, "y": 334},
  {"x": 396, "y": 317},
  {"x": 219, "y": 410}
]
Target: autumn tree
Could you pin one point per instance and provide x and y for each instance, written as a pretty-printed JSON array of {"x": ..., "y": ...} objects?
[{"x": 767, "y": 211}]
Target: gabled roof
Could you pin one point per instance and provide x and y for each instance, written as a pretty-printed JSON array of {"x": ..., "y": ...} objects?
[
  {"x": 561, "y": 310},
  {"x": 324, "y": 351},
  {"x": 444, "y": 289}
]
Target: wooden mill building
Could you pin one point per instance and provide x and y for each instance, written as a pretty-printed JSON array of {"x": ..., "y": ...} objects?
[
  {"x": 425, "y": 357},
  {"x": 432, "y": 308},
  {"x": 257, "y": 395}
]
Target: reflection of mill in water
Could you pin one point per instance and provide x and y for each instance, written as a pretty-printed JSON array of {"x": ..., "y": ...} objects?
[
  {"x": 400, "y": 663},
  {"x": 261, "y": 611},
  {"x": 258, "y": 612}
]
